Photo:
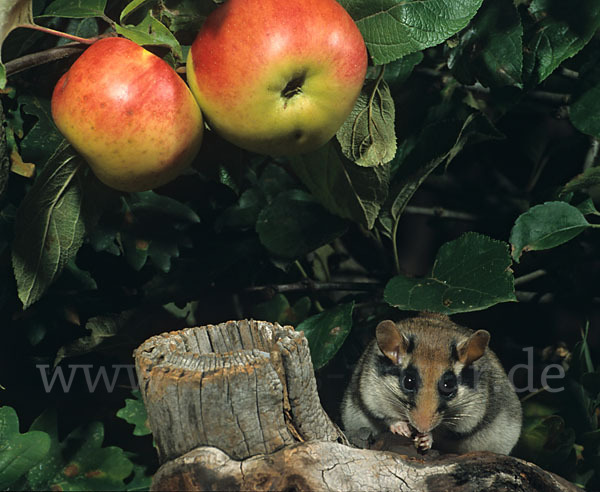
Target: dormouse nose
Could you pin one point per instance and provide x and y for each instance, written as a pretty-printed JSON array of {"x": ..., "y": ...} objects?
[{"x": 424, "y": 416}]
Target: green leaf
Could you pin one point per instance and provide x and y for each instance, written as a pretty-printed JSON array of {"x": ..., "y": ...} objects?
[
  {"x": 561, "y": 29},
  {"x": 42, "y": 140},
  {"x": 345, "y": 189},
  {"x": 157, "y": 227},
  {"x": 491, "y": 49},
  {"x": 134, "y": 412},
  {"x": 398, "y": 71},
  {"x": 13, "y": 13},
  {"x": 326, "y": 332},
  {"x": 79, "y": 462},
  {"x": 101, "y": 328},
  {"x": 19, "y": 453},
  {"x": 273, "y": 180},
  {"x": 278, "y": 309},
  {"x": 394, "y": 28},
  {"x": 243, "y": 214},
  {"x": 368, "y": 137},
  {"x": 547, "y": 442},
  {"x": 469, "y": 274},
  {"x": 185, "y": 15},
  {"x": 582, "y": 182},
  {"x": 133, "y": 6},
  {"x": 50, "y": 227},
  {"x": 151, "y": 32},
  {"x": 294, "y": 225},
  {"x": 148, "y": 225},
  {"x": 75, "y": 8},
  {"x": 141, "y": 480},
  {"x": 587, "y": 207},
  {"x": 546, "y": 226},
  {"x": 584, "y": 110}
]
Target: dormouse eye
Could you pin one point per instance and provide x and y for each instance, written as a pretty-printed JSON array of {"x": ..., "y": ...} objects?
[
  {"x": 448, "y": 385},
  {"x": 409, "y": 382}
]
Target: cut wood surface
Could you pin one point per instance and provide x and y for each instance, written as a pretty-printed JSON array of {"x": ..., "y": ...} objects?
[{"x": 235, "y": 407}]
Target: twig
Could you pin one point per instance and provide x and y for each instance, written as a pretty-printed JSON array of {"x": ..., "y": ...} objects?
[
  {"x": 309, "y": 285},
  {"x": 524, "y": 296},
  {"x": 592, "y": 153},
  {"x": 551, "y": 97},
  {"x": 41, "y": 57},
  {"x": 571, "y": 74},
  {"x": 545, "y": 96},
  {"x": 440, "y": 212},
  {"x": 530, "y": 276},
  {"x": 60, "y": 34},
  {"x": 531, "y": 395},
  {"x": 537, "y": 172}
]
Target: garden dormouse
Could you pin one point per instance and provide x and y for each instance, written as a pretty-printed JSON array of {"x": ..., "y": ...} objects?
[{"x": 437, "y": 383}]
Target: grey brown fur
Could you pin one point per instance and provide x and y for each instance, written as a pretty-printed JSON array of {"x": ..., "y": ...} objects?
[{"x": 477, "y": 410}]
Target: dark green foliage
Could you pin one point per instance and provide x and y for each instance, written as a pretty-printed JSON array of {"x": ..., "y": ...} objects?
[
  {"x": 469, "y": 274},
  {"x": 467, "y": 177},
  {"x": 39, "y": 460}
]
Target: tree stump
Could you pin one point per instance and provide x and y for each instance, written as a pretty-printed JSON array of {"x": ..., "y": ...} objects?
[{"x": 235, "y": 407}]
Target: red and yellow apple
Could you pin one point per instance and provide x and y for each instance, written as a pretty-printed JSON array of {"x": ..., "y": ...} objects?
[
  {"x": 277, "y": 77},
  {"x": 129, "y": 114}
]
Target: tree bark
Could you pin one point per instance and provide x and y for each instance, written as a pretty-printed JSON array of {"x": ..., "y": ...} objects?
[
  {"x": 246, "y": 387},
  {"x": 235, "y": 407}
]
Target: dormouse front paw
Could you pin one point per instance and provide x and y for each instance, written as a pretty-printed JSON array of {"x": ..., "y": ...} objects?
[
  {"x": 423, "y": 442},
  {"x": 401, "y": 428}
]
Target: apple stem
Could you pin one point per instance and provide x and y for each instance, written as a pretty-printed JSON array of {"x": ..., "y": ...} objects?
[{"x": 61, "y": 34}]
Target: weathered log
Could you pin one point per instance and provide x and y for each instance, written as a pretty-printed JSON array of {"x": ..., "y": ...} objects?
[
  {"x": 330, "y": 466},
  {"x": 235, "y": 407}
]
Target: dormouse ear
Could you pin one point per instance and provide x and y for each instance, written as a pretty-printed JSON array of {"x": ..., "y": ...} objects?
[
  {"x": 473, "y": 347},
  {"x": 390, "y": 341}
]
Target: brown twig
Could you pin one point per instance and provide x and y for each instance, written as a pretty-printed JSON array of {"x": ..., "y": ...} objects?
[
  {"x": 41, "y": 57},
  {"x": 309, "y": 285},
  {"x": 60, "y": 34}
]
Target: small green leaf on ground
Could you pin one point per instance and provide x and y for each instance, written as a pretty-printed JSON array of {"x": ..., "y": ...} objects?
[
  {"x": 469, "y": 274},
  {"x": 547, "y": 441},
  {"x": 134, "y": 412},
  {"x": 326, "y": 332},
  {"x": 546, "y": 226},
  {"x": 79, "y": 462},
  {"x": 18, "y": 452}
]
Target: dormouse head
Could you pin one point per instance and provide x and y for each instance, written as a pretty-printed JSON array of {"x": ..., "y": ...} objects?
[{"x": 434, "y": 363}]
